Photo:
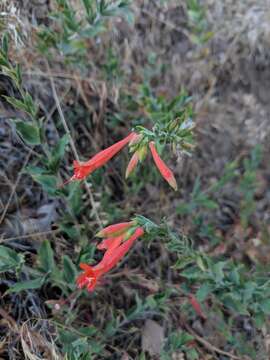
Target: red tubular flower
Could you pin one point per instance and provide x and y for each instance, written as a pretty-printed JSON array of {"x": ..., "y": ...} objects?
[
  {"x": 113, "y": 256},
  {"x": 110, "y": 243},
  {"x": 116, "y": 250},
  {"x": 162, "y": 167},
  {"x": 196, "y": 306},
  {"x": 89, "y": 277},
  {"x": 83, "y": 169},
  {"x": 132, "y": 163},
  {"x": 115, "y": 230}
]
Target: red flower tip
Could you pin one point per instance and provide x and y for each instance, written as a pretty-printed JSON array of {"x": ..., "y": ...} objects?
[
  {"x": 83, "y": 169},
  {"x": 115, "y": 230},
  {"x": 89, "y": 277},
  {"x": 162, "y": 167},
  {"x": 116, "y": 248},
  {"x": 196, "y": 306},
  {"x": 132, "y": 164},
  {"x": 110, "y": 243}
]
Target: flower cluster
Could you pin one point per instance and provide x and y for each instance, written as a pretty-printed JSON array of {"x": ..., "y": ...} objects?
[
  {"x": 117, "y": 240},
  {"x": 140, "y": 154},
  {"x": 83, "y": 169}
]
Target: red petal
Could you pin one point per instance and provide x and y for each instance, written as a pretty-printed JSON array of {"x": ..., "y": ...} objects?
[
  {"x": 84, "y": 169},
  {"x": 196, "y": 306},
  {"x": 115, "y": 252},
  {"x": 132, "y": 164},
  {"x": 110, "y": 243},
  {"x": 162, "y": 167},
  {"x": 112, "y": 257},
  {"x": 86, "y": 267},
  {"x": 105, "y": 155},
  {"x": 90, "y": 276},
  {"x": 115, "y": 230}
]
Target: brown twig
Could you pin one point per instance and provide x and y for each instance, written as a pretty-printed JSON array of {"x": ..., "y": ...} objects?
[
  {"x": 9, "y": 319},
  {"x": 29, "y": 235},
  {"x": 209, "y": 346},
  {"x": 15, "y": 186},
  {"x": 72, "y": 144}
]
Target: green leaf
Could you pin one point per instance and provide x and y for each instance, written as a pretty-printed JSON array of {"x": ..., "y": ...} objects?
[
  {"x": 192, "y": 354},
  {"x": 249, "y": 290},
  {"x": 218, "y": 271},
  {"x": 179, "y": 338},
  {"x": 34, "y": 170},
  {"x": 58, "y": 153},
  {"x": 233, "y": 302},
  {"x": 69, "y": 270},
  {"x": 29, "y": 133},
  {"x": 193, "y": 273},
  {"x": 27, "y": 285},
  {"x": 48, "y": 182},
  {"x": 18, "y": 75},
  {"x": 204, "y": 291},
  {"x": 70, "y": 230},
  {"x": 5, "y": 44},
  {"x": 265, "y": 306},
  {"x": 93, "y": 31},
  {"x": 31, "y": 108},
  {"x": 27, "y": 104},
  {"x": 75, "y": 197},
  {"x": 9, "y": 259},
  {"x": 259, "y": 320},
  {"x": 3, "y": 62},
  {"x": 87, "y": 331},
  {"x": 205, "y": 202},
  {"x": 45, "y": 257}
]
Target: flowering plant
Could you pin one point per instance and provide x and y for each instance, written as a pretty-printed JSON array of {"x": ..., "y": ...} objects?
[
  {"x": 171, "y": 127},
  {"x": 118, "y": 240},
  {"x": 175, "y": 130}
]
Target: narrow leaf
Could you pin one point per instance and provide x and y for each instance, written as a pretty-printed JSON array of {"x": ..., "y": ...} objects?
[
  {"x": 27, "y": 285},
  {"x": 9, "y": 259},
  {"x": 45, "y": 256},
  {"x": 69, "y": 270},
  {"x": 48, "y": 182},
  {"x": 29, "y": 133}
]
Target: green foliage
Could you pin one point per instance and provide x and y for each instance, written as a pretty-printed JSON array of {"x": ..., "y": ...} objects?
[
  {"x": 172, "y": 120},
  {"x": 179, "y": 341},
  {"x": 31, "y": 129},
  {"x": 198, "y": 22},
  {"x": 198, "y": 200},
  {"x": 69, "y": 31},
  {"x": 46, "y": 258},
  {"x": 57, "y": 154},
  {"x": 247, "y": 185},
  {"x": 203, "y": 202},
  {"x": 241, "y": 291},
  {"x": 29, "y": 133},
  {"x": 9, "y": 259},
  {"x": 111, "y": 66},
  {"x": 80, "y": 344},
  {"x": 27, "y": 285},
  {"x": 69, "y": 270}
]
